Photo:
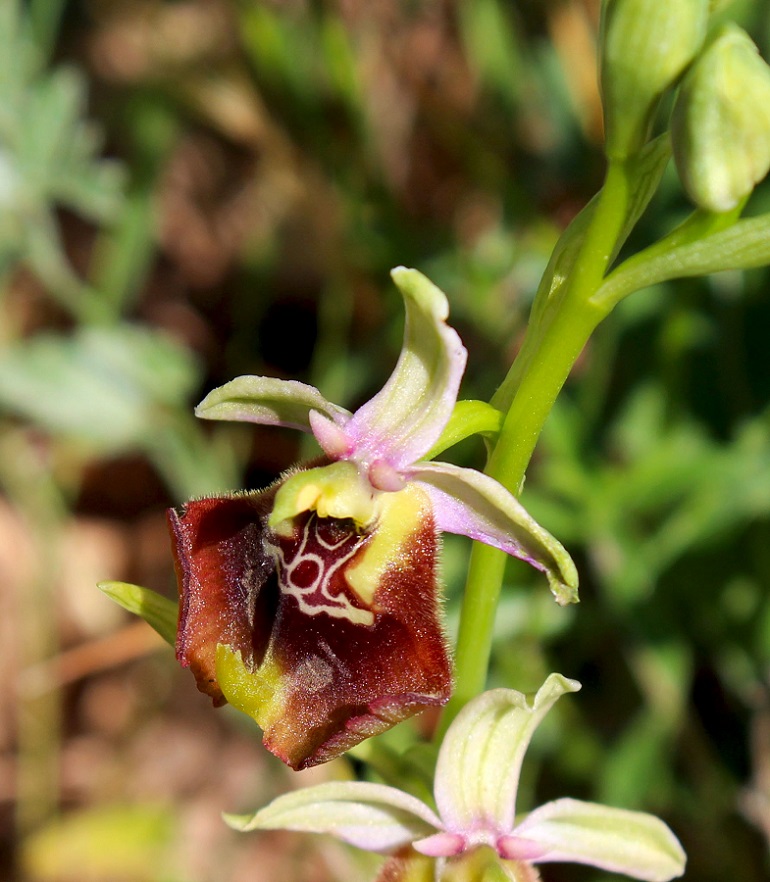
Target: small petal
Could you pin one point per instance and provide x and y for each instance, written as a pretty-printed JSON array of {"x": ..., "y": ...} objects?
[
  {"x": 330, "y": 436},
  {"x": 518, "y": 848},
  {"x": 383, "y": 476},
  {"x": 270, "y": 402},
  {"x": 620, "y": 841},
  {"x": 370, "y": 816},
  {"x": 405, "y": 418},
  {"x": 472, "y": 504},
  {"x": 477, "y": 774},
  {"x": 441, "y": 845}
]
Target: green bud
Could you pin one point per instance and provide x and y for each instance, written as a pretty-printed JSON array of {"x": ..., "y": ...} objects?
[
  {"x": 720, "y": 128},
  {"x": 646, "y": 46}
]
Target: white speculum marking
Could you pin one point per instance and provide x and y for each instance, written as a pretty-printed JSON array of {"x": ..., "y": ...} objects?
[{"x": 307, "y": 573}]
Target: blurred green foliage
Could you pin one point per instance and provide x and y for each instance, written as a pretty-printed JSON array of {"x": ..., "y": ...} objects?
[{"x": 197, "y": 189}]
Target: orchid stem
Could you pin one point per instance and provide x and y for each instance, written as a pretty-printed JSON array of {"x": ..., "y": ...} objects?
[{"x": 549, "y": 351}]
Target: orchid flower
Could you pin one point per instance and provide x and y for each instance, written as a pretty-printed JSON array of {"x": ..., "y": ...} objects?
[
  {"x": 313, "y": 605},
  {"x": 474, "y": 833}
]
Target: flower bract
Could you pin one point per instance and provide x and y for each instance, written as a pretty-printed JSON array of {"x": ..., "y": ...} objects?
[{"x": 313, "y": 605}]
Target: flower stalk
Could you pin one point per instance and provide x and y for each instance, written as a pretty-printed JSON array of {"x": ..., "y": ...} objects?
[{"x": 567, "y": 318}]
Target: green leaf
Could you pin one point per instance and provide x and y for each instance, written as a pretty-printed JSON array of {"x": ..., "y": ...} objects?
[
  {"x": 106, "y": 386},
  {"x": 547, "y": 300},
  {"x": 159, "y": 612},
  {"x": 49, "y": 157}
]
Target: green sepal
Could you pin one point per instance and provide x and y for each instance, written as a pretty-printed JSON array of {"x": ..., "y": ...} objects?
[{"x": 159, "y": 612}]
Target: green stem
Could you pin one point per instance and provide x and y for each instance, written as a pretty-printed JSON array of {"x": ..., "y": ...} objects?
[{"x": 547, "y": 356}]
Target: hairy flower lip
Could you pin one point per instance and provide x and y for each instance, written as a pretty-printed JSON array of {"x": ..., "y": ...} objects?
[{"x": 321, "y": 651}]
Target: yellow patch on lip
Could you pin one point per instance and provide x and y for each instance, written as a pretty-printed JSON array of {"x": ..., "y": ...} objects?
[
  {"x": 339, "y": 491},
  {"x": 257, "y": 693},
  {"x": 333, "y": 491},
  {"x": 400, "y": 516}
]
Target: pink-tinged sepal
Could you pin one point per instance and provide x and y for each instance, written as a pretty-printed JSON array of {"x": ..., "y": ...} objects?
[
  {"x": 405, "y": 418},
  {"x": 270, "y": 402},
  {"x": 472, "y": 504},
  {"x": 356, "y": 643},
  {"x": 222, "y": 564}
]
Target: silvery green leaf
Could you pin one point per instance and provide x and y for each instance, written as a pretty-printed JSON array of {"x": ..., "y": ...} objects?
[{"x": 103, "y": 385}]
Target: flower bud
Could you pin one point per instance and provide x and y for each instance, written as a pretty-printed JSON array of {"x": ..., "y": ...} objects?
[
  {"x": 646, "y": 46},
  {"x": 720, "y": 128}
]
